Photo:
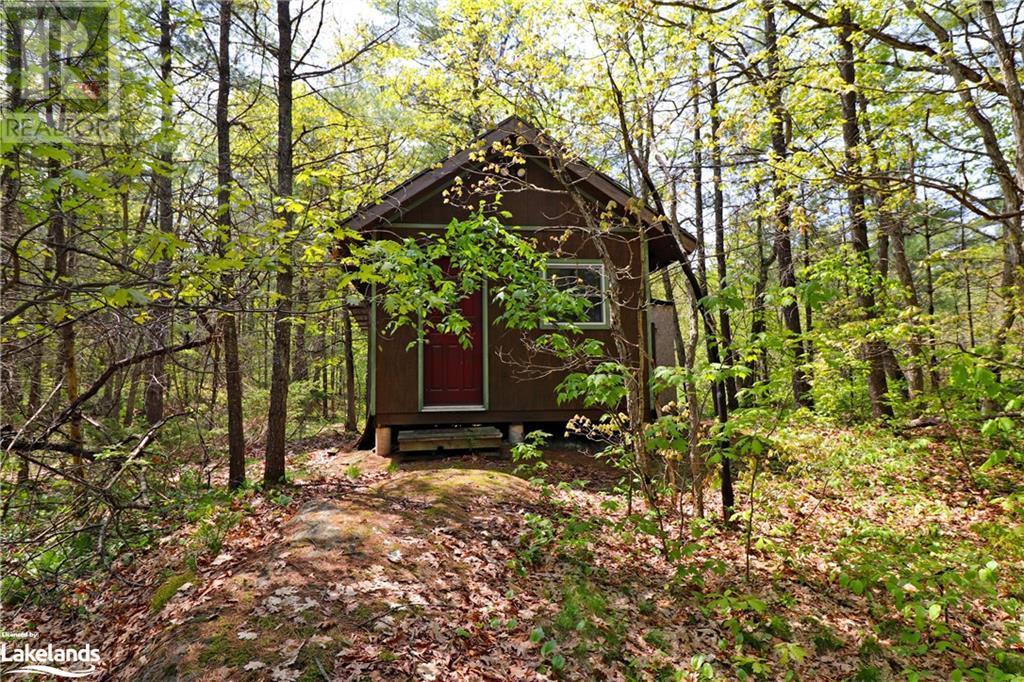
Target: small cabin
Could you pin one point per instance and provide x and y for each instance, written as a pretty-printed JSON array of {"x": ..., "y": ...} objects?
[{"x": 433, "y": 393}]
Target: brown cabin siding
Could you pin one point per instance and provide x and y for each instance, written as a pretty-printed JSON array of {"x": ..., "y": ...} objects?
[
  {"x": 542, "y": 201},
  {"x": 513, "y": 395}
]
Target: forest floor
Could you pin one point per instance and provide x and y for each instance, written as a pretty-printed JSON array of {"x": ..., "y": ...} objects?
[{"x": 870, "y": 557}]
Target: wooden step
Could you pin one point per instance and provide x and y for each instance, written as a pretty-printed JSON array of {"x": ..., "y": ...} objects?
[{"x": 465, "y": 438}]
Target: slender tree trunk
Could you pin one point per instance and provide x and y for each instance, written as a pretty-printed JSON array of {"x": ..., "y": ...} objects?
[
  {"x": 808, "y": 308},
  {"x": 300, "y": 357},
  {"x": 325, "y": 411},
  {"x": 783, "y": 213},
  {"x": 350, "y": 371},
  {"x": 157, "y": 380},
  {"x": 758, "y": 325},
  {"x": 724, "y": 318},
  {"x": 693, "y": 410},
  {"x": 215, "y": 374},
  {"x": 335, "y": 366},
  {"x": 322, "y": 357},
  {"x": 68, "y": 333},
  {"x": 10, "y": 177},
  {"x": 727, "y": 386},
  {"x": 10, "y": 187},
  {"x": 228, "y": 320},
  {"x": 698, "y": 188},
  {"x": 967, "y": 278},
  {"x": 873, "y": 350},
  {"x": 698, "y": 288},
  {"x": 133, "y": 394},
  {"x": 933, "y": 369},
  {"x": 58, "y": 236},
  {"x": 233, "y": 385},
  {"x": 906, "y": 278},
  {"x": 35, "y": 395},
  {"x": 277, "y": 416}
]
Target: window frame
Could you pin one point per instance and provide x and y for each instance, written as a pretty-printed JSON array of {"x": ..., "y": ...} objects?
[{"x": 576, "y": 264}]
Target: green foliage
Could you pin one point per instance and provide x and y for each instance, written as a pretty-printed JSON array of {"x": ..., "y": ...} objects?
[
  {"x": 528, "y": 456},
  {"x": 416, "y": 288},
  {"x": 212, "y": 524},
  {"x": 604, "y": 386}
]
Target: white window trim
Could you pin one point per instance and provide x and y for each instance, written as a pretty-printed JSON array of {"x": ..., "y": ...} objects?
[{"x": 575, "y": 264}]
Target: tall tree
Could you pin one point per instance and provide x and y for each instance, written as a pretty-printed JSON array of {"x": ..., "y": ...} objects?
[
  {"x": 277, "y": 414},
  {"x": 157, "y": 379},
  {"x": 228, "y": 321},
  {"x": 59, "y": 224},
  {"x": 783, "y": 244},
  {"x": 718, "y": 202},
  {"x": 350, "y": 370},
  {"x": 9, "y": 189},
  {"x": 873, "y": 349}
]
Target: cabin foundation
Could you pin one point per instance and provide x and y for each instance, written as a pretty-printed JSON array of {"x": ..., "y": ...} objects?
[
  {"x": 515, "y": 434},
  {"x": 382, "y": 437}
]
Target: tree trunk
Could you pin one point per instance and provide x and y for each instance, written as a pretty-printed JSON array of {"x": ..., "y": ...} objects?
[
  {"x": 10, "y": 186},
  {"x": 782, "y": 207},
  {"x": 133, "y": 394},
  {"x": 228, "y": 320},
  {"x": 967, "y": 279},
  {"x": 724, "y": 318},
  {"x": 35, "y": 394},
  {"x": 215, "y": 376},
  {"x": 758, "y": 325},
  {"x": 277, "y": 415},
  {"x": 58, "y": 234},
  {"x": 300, "y": 358},
  {"x": 699, "y": 290},
  {"x": 906, "y": 278},
  {"x": 157, "y": 378},
  {"x": 808, "y": 308},
  {"x": 872, "y": 349},
  {"x": 728, "y": 385},
  {"x": 933, "y": 369},
  {"x": 693, "y": 410},
  {"x": 350, "y": 371},
  {"x": 698, "y": 188},
  {"x": 10, "y": 177},
  {"x": 322, "y": 354}
]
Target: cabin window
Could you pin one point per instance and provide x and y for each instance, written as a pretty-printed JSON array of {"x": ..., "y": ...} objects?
[{"x": 585, "y": 280}]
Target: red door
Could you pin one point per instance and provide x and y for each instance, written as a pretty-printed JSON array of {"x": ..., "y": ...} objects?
[{"x": 453, "y": 375}]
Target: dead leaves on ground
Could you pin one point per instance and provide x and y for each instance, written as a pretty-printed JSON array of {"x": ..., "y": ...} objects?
[{"x": 389, "y": 577}]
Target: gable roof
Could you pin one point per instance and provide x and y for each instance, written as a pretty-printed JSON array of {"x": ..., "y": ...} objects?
[{"x": 403, "y": 197}]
